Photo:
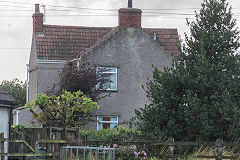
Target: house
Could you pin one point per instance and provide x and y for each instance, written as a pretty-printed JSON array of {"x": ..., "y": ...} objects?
[
  {"x": 6, "y": 105},
  {"x": 127, "y": 51}
]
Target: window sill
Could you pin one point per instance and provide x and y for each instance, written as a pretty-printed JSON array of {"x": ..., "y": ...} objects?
[{"x": 107, "y": 90}]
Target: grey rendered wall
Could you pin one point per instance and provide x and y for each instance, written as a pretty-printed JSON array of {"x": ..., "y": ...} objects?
[
  {"x": 133, "y": 52},
  {"x": 32, "y": 85},
  {"x": 41, "y": 79},
  {"x": 48, "y": 75},
  {"x": 33, "y": 71},
  {"x": 14, "y": 117},
  {"x": 24, "y": 117},
  {"x": 4, "y": 126}
]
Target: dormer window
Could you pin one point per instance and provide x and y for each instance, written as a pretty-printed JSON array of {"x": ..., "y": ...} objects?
[{"x": 108, "y": 78}]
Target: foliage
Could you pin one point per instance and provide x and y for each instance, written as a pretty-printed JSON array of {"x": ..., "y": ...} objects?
[
  {"x": 18, "y": 128},
  {"x": 131, "y": 153},
  {"x": 81, "y": 77},
  {"x": 122, "y": 133},
  {"x": 199, "y": 98},
  {"x": 17, "y": 89},
  {"x": 66, "y": 111}
]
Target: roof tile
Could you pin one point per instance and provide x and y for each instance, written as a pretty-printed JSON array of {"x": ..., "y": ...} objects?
[
  {"x": 65, "y": 42},
  {"x": 168, "y": 38}
]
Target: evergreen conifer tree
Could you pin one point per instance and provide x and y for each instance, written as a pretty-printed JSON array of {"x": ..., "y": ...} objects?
[{"x": 199, "y": 98}]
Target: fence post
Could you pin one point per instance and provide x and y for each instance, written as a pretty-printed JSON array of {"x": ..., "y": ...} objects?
[
  {"x": 219, "y": 145},
  {"x": 37, "y": 143},
  {"x": 2, "y": 145},
  {"x": 22, "y": 146},
  {"x": 77, "y": 133},
  {"x": 171, "y": 147}
]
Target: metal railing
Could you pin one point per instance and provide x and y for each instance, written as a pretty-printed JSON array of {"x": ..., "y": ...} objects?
[{"x": 87, "y": 153}]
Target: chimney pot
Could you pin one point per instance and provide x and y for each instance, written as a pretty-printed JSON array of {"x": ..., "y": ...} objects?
[
  {"x": 130, "y": 4},
  {"x": 37, "y": 10}
]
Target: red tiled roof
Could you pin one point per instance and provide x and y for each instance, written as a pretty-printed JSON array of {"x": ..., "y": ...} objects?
[
  {"x": 66, "y": 42},
  {"x": 167, "y": 38},
  {"x": 100, "y": 41}
]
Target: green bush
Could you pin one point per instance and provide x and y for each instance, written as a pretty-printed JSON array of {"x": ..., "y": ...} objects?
[{"x": 120, "y": 134}]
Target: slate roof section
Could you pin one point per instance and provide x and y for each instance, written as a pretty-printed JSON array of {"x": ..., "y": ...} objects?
[
  {"x": 6, "y": 98},
  {"x": 66, "y": 42}
]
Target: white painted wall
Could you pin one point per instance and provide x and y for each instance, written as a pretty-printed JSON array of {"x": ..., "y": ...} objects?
[{"x": 4, "y": 126}]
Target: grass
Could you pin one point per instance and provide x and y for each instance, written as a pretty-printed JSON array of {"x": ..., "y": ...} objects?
[{"x": 212, "y": 151}]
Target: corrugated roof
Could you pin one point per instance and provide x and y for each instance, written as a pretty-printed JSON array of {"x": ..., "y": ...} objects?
[
  {"x": 6, "y": 98},
  {"x": 66, "y": 42}
]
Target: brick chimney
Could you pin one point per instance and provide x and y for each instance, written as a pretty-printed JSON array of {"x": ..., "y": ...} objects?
[
  {"x": 129, "y": 17},
  {"x": 37, "y": 20}
]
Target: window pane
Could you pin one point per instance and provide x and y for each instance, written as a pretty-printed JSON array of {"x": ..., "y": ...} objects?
[
  {"x": 107, "y": 81},
  {"x": 106, "y": 118},
  {"x": 113, "y": 125},
  {"x": 99, "y": 126},
  {"x": 99, "y": 118},
  {"x": 114, "y": 81},
  {"x": 108, "y": 78},
  {"x": 111, "y": 69},
  {"x": 106, "y": 69},
  {"x": 106, "y": 125},
  {"x": 114, "y": 119}
]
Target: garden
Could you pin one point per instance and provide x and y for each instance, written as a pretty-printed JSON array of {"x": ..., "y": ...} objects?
[{"x": 122, "y": 143}]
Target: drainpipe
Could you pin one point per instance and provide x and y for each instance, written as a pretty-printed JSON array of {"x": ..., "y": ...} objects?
[
  {"x": 27, "y": 83},
  {"x": 10, "y": 126},
  {"x": 17, "y": 113}
]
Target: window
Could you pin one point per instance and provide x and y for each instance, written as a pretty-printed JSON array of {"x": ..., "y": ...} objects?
[
  {"x": 107, "y": 122},
  {"x": 155, "y": 36},
  {"x": 107, "y": 77}
]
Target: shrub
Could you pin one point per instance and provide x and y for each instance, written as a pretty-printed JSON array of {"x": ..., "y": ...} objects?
[{"x": 120, "y": 134}]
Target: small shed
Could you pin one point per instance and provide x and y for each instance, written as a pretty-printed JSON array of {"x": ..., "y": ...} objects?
[{"x": 6, "y": 105}]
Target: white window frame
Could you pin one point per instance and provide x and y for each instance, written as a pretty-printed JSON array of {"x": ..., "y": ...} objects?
[
  {"x": 110, "y": 122},
  {"x": 110, "y": 73}
]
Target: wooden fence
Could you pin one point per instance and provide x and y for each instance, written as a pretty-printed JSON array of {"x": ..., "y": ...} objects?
[
  {"x": 36, "y": 135},
  {"x": 171, "y": 145},
  {"x": 30, "y": 141}
]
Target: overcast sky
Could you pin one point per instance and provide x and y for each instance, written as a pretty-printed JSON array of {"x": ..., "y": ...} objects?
[{"x": 16, "y": 22}]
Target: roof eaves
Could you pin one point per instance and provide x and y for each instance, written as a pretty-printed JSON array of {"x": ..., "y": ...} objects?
[{"x": 6, "y": 98}]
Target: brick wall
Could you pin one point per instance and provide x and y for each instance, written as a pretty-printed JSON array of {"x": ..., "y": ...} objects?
[
  {"x": 129, "y": 17},
  {"x": 37, "y": 20}
]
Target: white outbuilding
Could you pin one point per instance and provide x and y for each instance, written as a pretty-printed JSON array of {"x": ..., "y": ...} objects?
[{"x": 6, "y": 106}]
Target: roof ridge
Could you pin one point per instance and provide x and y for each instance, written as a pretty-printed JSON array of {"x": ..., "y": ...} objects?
[
  {"x": 160, "y": 28},
  {"x": 63, "y": 26}
]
